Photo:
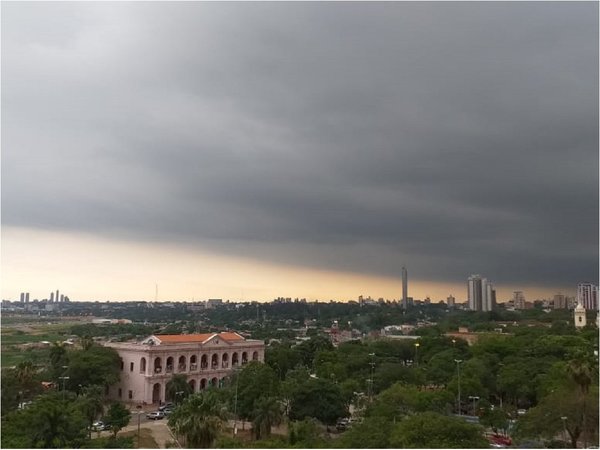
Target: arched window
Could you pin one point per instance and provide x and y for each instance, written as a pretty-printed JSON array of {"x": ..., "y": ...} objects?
[
  {"x": 255, "y": 356},
  {"x": 244, "y": 357},
  {"x": 193, "y": 362},
  {"x": 225, "y": 360},
  {"x": 170, "y": 364},
  {"x": 192, "y": 384},
  {"x": 204, "y": 362},
  {"x": 203, "y": 384},
  {"x": 181, "y": 366},
  {"x": 214, "y": 363},
  {"x": 143, "y": 365},
  {"x": 157, "y": 365},
  {"x": 234, "y": 360}
]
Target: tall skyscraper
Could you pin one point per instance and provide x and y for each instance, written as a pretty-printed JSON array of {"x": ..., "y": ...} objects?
[
  {"x": 51, "y": 297},
  {"x": 481, "y": 294},
  {"x": 404, "y": 288},
  {"x": 26, "y": 297},
  {"x": 22, "y": 297},
  {"x": 56, "y": 298},
  {"x": 587, "y": 296}
]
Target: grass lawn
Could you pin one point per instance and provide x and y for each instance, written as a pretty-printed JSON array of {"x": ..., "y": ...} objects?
[{"x": 146, "y": 438}]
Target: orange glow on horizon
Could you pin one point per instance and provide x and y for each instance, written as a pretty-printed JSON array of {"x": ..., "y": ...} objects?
[{"x": 87, "y": 267}]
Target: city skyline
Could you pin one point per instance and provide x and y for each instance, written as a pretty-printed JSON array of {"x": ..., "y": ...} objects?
[{"x": 248, "y": 151}]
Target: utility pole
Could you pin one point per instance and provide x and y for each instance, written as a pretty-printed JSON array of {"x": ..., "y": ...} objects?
[{"x": 458, "y": 361}]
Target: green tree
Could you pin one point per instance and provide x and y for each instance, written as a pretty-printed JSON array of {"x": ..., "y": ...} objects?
[
  {"x": 49, "y": 422},
  {"x": 433, "y": 430},
  {"x": 373, "y": 432},
  {"x": 177, "y": 388},
  {"x": 96, "y": 366},
  {"x": 254, "y": 381},
  {"x": 117, "y": 417},
  {"x": 318, "y": 398},
  {"x": 545, "y": 419},
  {"x": 267, "y": 413},
  {"x": 91, "y": 404},
  {"x": 496, "y": 419},
  {"x": 199, "y": 419},
  {"x": 58, "y": 359},
  {"x": 306, "y": 433}
]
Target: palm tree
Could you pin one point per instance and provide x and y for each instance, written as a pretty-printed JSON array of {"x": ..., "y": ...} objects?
[
  {"x": 58, "y": 357},
  {"x": 199, "y": 419},
  {"x": 25, "y": 374},
  {"x": 267, "y": 413},
  {"x": 91, "y": 404},
  {"x": 177, "y": 388}
]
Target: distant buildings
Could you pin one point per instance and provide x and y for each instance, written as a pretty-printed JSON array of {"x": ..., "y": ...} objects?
[
  {"x": 481, "y": 294},
  {"x": 450, "y": 301},
  {"x": 560, "y": 301},
  {"x": 519, "y": 300},
  {"x": 587, "y": 296},
  {"x": 404, "y": 288}
]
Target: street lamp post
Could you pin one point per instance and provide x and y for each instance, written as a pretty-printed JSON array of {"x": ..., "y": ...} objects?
[
  {"x": 370, "y": 381},
  {"x": 564, "y": 421},
  {"x": 64, "y": 379},
  {"x": 458, "y": 361},
  {"x": 139, "y": 414},
  {"x": 235, "y": 405},
  {"x": 474, "y": 399},
  {"x": 417, "y": 353}
]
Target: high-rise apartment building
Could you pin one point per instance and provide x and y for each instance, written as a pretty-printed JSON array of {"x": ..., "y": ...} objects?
[
  {"x": 22, "y": 298},
  {"x": 481, "y": 294},
  {"x": 26, "y": 297},
  {"x": 587, "y": 295},
  {"x": 519, "y": 299},
  {"x": 404, "y": 287},
  {"x": 560, "y": 301},
  {"x": 450, "y": 301}
]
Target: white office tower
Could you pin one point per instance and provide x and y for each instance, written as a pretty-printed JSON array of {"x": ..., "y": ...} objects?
[
  {"x": 404, "y": 288},
  {"x": 587, "y": 296},
  {"x": 481, "y": 294}
]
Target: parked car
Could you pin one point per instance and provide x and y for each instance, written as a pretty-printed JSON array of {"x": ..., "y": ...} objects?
[
  {"x": 99, "y": 426},
  {"x": 156, "y": 415},
  {"x": 168, "y": 405},
  {"x": 167, "y": 412},
  {"x": 342, "y": 424}
]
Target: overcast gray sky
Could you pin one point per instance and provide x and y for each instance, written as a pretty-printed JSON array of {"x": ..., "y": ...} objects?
[{"x": 454, "y": 138}]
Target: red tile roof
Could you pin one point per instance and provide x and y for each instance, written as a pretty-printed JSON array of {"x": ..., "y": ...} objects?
[{"x": 191, "y": 338}]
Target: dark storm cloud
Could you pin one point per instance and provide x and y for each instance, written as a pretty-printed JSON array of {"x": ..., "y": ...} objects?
[{"x": 450, "y": 137}]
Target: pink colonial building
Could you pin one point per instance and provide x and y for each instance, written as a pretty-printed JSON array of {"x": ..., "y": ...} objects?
[{"x": 205, "y": 359}]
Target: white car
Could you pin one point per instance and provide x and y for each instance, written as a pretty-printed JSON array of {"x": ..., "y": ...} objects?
[{"x": 156, "y": 415}]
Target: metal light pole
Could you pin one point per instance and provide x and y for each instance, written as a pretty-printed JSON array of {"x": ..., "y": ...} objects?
[
  {"x": 458, "y": 361},
  {"x": 64, "y": 379},
  {"x": 237, "y": 378},
  {"x": 139, "y": 414},
  {"x": 473, "y": 398},
  {"x": 372, "y": 364},
  {"x": 417, "y": 353},
  {"x": 564, "y": 421}
]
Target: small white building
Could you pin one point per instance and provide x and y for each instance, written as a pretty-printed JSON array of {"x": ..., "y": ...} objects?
[{"x": 206, "y": 359}]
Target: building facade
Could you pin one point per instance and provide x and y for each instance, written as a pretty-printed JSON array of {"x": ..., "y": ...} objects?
[
  {"x": 587, "y": 295},
  {"x": 206, "y": 359},
  {"x": 481, "y": 294},
  {"x": 579, "y": 316}
]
